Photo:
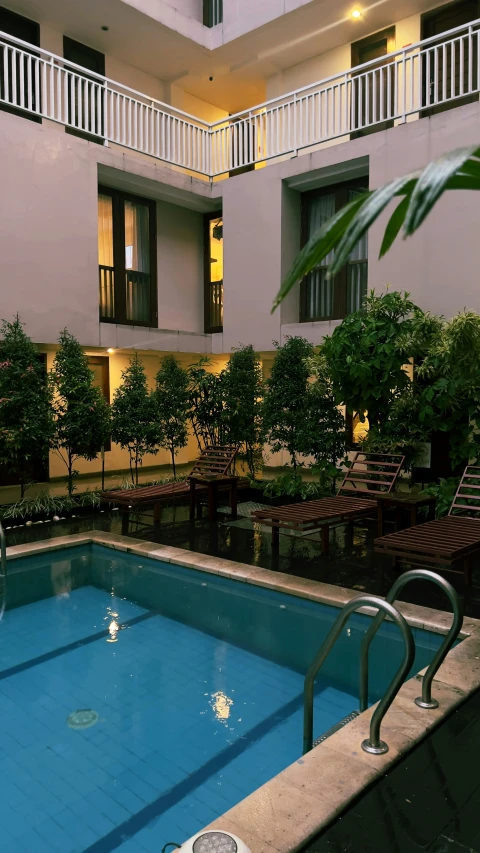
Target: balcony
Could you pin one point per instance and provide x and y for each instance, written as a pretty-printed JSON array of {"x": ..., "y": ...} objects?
[{"x": 410, "y": 83}]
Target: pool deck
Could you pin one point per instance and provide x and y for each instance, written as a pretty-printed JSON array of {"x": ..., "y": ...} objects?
[{"x": 299, "y": 803}]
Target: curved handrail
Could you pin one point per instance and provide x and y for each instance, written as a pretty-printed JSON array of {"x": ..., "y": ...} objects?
[
  {"x": 425, "y": 701},
  {"x": 373, "y": 744}
]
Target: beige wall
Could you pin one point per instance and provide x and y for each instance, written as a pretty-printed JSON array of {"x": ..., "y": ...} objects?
[
  {"x": 117, "y": 459},
  {"x": 180, "y": 261}
]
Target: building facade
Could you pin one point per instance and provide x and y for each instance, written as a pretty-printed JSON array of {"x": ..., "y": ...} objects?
[{"x": 163, "y": 161}]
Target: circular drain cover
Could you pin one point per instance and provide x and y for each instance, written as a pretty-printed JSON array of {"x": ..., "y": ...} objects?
[{"x": 82, "y": 719}]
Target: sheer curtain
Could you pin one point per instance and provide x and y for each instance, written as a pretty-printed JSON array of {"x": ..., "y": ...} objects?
[
  {"x": 357, "y": 267},
  {"x": 319, "y": 289},
  {"x": 137, "y": 261},
  {"x": 105, "y": 255}
]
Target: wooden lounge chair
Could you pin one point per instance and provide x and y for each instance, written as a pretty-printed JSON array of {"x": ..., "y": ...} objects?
[
  {"x": 216, "y": 459},
  {"x": 369, "y": 475},
  {"x": 449, "y": 543}
]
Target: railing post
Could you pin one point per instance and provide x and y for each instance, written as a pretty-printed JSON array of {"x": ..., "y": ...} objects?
[
  {"x": 295, "y": 140},
  {"x": 106, "y": 128}
]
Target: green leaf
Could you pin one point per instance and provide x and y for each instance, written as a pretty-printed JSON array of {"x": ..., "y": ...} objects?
[
  {"x": 319, "y": 246},
  {"x": 395, "y": 223},
  {"x": 432, "y": 183},
  {"x": 374, "y": 205}
]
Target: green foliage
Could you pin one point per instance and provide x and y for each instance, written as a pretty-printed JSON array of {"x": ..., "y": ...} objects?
[
  {"x": 133, "y": 416},
  {"x": 242, "y": 386},
  {"x": 26, "y": 415},
  {"x": 206, "y": 404},
  {"x": 285, "y": 407},
  {"x": 365, "y": 357},
  {"x": 46, "y": 504},
  {"x": 324, "y": 435},
  {"x": 401, "y": 432},
  {"x": 81, "y": 412},
  {"x": 444, "y": 492},
  {"x": 291, "y": 484},
  {"x": 449, "y": 386},
  {"x": 171, "y": 403},
  {"x": 418, "y": 193}
]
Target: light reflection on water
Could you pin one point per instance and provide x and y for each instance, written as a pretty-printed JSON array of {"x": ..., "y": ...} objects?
[{"x": 221, "y": 705}]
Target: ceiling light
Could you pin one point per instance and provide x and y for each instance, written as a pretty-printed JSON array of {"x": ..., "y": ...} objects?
[
  {"x": 110, "y": 350},
  {"x": 356, "y": 14}
]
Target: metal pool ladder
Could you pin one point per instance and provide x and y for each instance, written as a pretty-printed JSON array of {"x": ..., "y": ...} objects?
[{"x": 374, "y": 744}]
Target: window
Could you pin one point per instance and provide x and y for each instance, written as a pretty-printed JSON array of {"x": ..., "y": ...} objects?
[
  {"x": 19, "y": 82},
  {"x": 85, "y": 94},
  {"x": 374, "y": 94},
  {"x": 447, "y": 69},
  {"x": 321, "y": 297},
  {"x": 213, "y": 272},
  {"x": 127, "y": 261},
  {"x": 212, "y": 12}
]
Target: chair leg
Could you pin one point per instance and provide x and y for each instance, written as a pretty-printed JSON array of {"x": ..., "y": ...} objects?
[
  {"x": 467, "y": 570},
  {"x": 275, "y": 538},
  {"x": 157, "y": 514},
  {"x": 325, "y": 539},
  {"x": 125, "y": 520}
]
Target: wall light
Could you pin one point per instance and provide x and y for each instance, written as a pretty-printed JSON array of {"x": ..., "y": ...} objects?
[
  {"x": 356, "y": 14},
  {"x": 110, "y": 350}
]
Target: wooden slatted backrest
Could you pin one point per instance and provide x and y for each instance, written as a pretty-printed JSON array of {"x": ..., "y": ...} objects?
[
  {"x": 371, "y": 474},
  {"x": 216, "y": 459},
  {"x": 467, "y": 498}
]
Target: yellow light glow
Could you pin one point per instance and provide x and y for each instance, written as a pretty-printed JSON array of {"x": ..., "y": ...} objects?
[
  {"x": 221, "y": 705},
  {"x": 110, "y": 350},
  {"x": 356, "y": 14}
]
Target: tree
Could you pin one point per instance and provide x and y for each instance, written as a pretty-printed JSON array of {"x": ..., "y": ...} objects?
[
  {"x": 284, "y": 406},
  {"x": 82, "y": 416},
  {"x": 172, "y": 404},
  {"x": 242, "y": 381},
  {"x": 26, "y": 414},
  {"x": 133, "y": 416},
  {"x": 206, "y": 404},
  {"x": 324, "y": 435},
  {"x": 418, "y": 193},
  {"x": 365, "y": 357}
]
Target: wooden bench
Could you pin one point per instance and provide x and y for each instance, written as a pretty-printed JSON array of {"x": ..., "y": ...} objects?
[
  {"x": 449, "y": 543},
  {"x": 369, "y": 475},
  {"x": 214, "y": 460}
]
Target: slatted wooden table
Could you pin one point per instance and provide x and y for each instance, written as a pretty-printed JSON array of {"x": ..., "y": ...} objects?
[
  {"x": 213, "y": 486},
  {"x": 370, "y": 475},
  {"x": 403, "y": 501},
  {"x": 313, "y": 514},
  {"x": 449, "y": 543}
]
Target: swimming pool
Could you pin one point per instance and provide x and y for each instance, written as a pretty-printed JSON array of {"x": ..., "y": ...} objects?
[{"x": 191, "y": 688}]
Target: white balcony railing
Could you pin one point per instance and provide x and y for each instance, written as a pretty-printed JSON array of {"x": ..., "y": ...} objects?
[{"x": 410, "y": 82}]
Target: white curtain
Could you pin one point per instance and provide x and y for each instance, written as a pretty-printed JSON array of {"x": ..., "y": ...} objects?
[{"x": 105, "y": 231}]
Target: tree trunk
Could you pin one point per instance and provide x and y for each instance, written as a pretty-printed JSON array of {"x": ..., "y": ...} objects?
[
  {"x": 131, "y": 468},
  {"x": 70, "y": 477},
  {"x": 136, "y": 465},
  {"x": 172, "y": 451}
]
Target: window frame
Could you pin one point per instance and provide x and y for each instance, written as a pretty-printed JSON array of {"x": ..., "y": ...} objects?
[
  {"x": 103, "y": 362},
  {"x": 340, "y": 190},
  {"x": 119, "y": 271},
  {"x": 207, "y": 219}
]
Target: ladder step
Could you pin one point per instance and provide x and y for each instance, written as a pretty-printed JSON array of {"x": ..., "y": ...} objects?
[{"x": 336, "y": 727}]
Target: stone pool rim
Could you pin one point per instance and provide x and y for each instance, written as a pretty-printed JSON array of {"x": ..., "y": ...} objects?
[{"x": 287, "y": 812}]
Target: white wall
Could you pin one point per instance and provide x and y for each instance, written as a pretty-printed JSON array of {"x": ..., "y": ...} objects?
[{"x": 180, "y": 262}]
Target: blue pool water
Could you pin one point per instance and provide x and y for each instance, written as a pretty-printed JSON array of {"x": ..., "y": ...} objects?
[{"x": 197, "y": 683}]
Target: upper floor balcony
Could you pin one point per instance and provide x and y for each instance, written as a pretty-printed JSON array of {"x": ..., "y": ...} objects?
[{"x": 431, "y": 75}]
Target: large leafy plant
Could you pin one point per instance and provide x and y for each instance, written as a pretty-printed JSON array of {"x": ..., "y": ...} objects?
[
  {"x": 133, "y": 416},
  {"x": 81, "y": 411},
  {"x": 26, "y": 414},
  {"x": 206, "y": 404},
  {"x": 172, "y": 405}
]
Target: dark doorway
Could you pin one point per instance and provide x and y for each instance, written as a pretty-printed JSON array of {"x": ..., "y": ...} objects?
[
  {"x": 374, "y": 88},
  {"x": 451, "y": 70},
  {"x": 85, "y": 92},
  {"x": 16, "y": 67}
]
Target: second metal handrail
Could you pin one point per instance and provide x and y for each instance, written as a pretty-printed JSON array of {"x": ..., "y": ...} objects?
[
  {"x": 425, "y": 701},
  {"x": 373, "y": 744}
]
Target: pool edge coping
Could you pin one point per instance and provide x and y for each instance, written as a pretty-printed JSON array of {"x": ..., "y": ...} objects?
[{"x": 297, "y": 804}]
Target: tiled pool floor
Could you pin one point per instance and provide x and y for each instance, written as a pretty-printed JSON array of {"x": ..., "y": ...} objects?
[{"x": 188, "y": 725}]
